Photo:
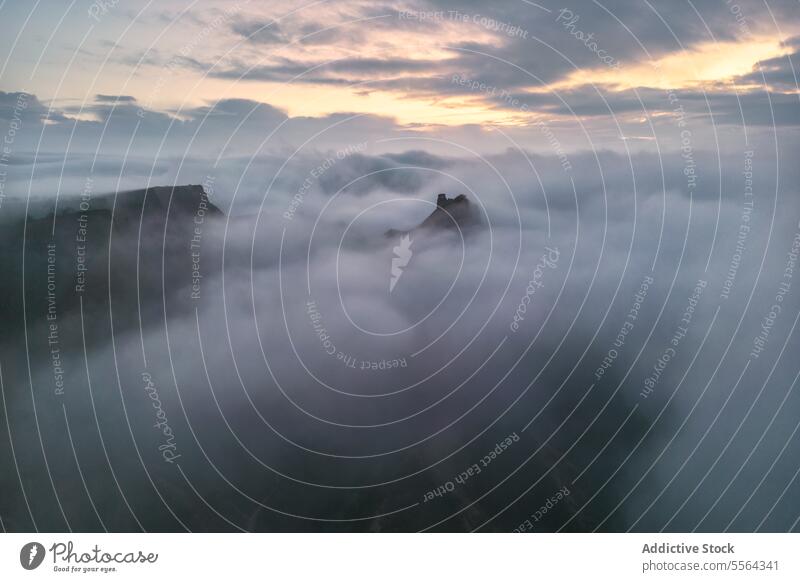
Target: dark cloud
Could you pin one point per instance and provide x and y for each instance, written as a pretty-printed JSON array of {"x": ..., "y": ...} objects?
[
  {"x": 258, "y": 32},
  {"x": 420, "y": 158},
  {"x": 363, "y": 174},
  {"x": 26, "y": 108},
  {"x": 778, "y": 74},
  {"x": 321, "y": 72},
  {"x": 99, "y": 98}
]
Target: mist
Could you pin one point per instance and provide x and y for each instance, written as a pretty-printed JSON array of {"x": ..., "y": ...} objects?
[{"x": 253, "y": 369}]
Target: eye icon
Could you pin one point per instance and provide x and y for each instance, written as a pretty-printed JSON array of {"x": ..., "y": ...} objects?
[{"x": 31, "y": 555}]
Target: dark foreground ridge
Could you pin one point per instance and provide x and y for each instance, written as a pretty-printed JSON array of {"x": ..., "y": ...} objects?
[
  {"x": 181, "y": 201},
  {"x": 130, "y": 251}
]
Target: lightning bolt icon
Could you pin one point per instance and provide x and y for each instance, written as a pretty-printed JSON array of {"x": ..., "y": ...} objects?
[{"x": 402, "y": 256}]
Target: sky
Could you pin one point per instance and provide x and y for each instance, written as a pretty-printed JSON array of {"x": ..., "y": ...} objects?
[{"x": 599, "y": 75}]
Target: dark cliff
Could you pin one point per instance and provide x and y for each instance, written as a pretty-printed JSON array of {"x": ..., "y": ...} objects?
[
  {"x": 117, "y": 254},
  {"x": 450, "y": 213}
]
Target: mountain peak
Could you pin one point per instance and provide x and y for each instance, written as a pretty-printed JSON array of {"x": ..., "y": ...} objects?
[
  {"x": 442, "y": 201},
  {"x": 450, "y": 213}
]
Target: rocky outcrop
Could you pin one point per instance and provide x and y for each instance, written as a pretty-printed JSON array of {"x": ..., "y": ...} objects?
[
  {"x": 450, "y": 213},
  {"x": 127, "y": 251}
]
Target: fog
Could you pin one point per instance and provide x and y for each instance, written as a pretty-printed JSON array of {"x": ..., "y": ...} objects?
[{"x": 300, "y": 393}]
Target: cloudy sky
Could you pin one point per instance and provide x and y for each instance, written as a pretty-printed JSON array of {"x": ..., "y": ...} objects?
[{"x": 598, "y": 74}]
